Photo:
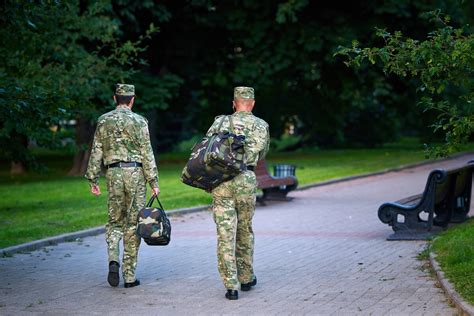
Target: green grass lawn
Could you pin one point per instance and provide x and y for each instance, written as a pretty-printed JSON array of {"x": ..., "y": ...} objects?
[
  {"x": 455, "y": 254},
  {"x": 35, "y": 206}
]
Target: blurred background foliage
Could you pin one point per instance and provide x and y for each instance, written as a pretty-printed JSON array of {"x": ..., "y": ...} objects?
[
  {"x": 443, "y": 66},
  {"x": 61, "y": 59}
]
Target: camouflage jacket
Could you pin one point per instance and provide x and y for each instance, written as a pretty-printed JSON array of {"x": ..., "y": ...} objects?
[
  {"x": 122, "y": 135},
  {"x": 255, "y": 130}
]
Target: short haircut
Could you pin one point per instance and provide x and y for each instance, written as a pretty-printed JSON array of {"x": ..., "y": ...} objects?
[
  {"x": 242, "y": 101},
  {"x": 123, "y": 99}
]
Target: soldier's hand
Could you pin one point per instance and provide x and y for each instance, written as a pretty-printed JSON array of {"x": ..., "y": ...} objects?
[
  {"x": 156, "y": 191},
  {"x": 95, "y": 189}
]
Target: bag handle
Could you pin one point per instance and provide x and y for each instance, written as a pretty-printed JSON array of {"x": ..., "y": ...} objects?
[{"x": 150, "y": 202}]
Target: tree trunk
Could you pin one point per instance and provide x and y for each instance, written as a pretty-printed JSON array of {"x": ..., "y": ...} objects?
[
  {"x": 19, "y": 165},
  {"x": 84, "y": 137}
]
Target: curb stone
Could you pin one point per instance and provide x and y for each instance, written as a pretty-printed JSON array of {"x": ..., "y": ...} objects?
[
  {"x": 37, "y": 244},
  {"x": 464, "y": 307},
  {"x": 69, "y": 237}
]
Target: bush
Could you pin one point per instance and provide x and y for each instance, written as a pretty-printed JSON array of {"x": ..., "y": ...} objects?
[
  {"x": 286, "y": 142},
  {"x": 187, "y": 145}
]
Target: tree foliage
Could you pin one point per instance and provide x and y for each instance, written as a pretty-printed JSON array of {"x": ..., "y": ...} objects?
[
  {"x": 59, "y": 61},
  {"x": 285, "y": 50},
  {"x": 443, "y": 63}
]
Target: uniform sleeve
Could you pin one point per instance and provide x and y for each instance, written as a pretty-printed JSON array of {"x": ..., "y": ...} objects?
[
  {"x": 258, "y": 144},
  {"x": 95, "y": 159},
  {"x": 148, "y": 159},
  {"x": 266, "y": 147}
]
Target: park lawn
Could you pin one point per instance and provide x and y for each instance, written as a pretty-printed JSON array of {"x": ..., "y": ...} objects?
[
  {"x": 35, "y": 206},
  {"x": 35, "y": 210},
  {"x": 455, "y": 253}
]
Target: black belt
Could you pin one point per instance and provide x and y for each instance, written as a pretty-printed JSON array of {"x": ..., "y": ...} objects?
[
  {"x": 251, "y": 168},
  {"x": 124, "y": 164}
]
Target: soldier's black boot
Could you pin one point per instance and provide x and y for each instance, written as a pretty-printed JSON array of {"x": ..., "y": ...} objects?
[
  {"x": 132, "y": 284},
  {"x": 232, "y": 295},
  {"x": 113, "y": 277},
  {"x": 248, "y": 286}
]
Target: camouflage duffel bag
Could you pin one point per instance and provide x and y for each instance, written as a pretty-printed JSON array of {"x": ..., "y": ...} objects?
[
  {"x": 153, "y": 224},
  {"x": 215, "y": 159}
]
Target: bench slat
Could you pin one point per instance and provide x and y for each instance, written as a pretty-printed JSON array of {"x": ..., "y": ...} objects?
[
  {"x": 265, "y": 180},
  {"x": 276, "y": 188}
]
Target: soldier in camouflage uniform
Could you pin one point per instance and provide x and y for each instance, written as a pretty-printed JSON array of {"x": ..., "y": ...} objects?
[
  {"x": 234, "y": 200},
  {"x": 122, "y": 145}
]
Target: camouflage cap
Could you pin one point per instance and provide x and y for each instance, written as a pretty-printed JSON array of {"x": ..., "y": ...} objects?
[
  {"x": 244, "y": 93},
  {"x": 124, "y": 89}
]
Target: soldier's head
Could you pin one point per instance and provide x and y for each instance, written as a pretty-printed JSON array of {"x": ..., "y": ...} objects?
[
  {"x": 124, "y": 94},
  {"x": 244, "y": 99}
]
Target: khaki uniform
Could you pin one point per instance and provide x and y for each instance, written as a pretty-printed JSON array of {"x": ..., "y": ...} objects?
[
  {"x": 234, "y": 203},
  {"x": 122, "y": 135}
]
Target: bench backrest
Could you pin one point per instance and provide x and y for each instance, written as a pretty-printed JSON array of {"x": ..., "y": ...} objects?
[
  {"x": 266, "y": 180},
  {"x": 442, "y": 181},
  {"x": 463, "y": 177},
  {"x": 442, "y": 188},
  {"x": 261, "y": 169}
]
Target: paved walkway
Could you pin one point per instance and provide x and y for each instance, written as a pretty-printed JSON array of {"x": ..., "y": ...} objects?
[{"x": 324, "y": 253}]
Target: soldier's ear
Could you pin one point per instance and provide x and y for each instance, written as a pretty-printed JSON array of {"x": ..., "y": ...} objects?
[{"x": 252, "y": 104}]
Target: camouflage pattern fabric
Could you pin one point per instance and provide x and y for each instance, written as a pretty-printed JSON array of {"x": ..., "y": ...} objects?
[
  {"x": 244, "y": 93},
  {"x": 122, "y": 135},
  {"x": 127, "y": 193},
  {"x": 234, "y": 204},
  {"x": 124, "y": 89},
  {"x": 254, "y": 129},
  {"x": 215, "y": 159},
  {"x": 153, "y": 225},
  {"x": 233, "y": 209}
]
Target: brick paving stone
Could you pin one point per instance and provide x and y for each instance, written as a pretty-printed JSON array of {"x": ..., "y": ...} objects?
[{"x": 324, "y": 253}]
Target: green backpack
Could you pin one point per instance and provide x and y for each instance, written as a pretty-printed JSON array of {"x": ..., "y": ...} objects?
[{"x": 215, "y": 159}]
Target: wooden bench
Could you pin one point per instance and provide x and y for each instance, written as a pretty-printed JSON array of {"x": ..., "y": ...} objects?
[
  {"x": 273, "y": 188},
  {"x": 446, "y": 199}
]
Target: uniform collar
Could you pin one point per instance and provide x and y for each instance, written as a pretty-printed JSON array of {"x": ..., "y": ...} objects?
[
  {"x": 123, "y": 107},
  {"x": 243, "y": 113}
]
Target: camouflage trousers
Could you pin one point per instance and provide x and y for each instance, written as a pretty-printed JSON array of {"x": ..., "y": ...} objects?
[
  {"x": 127, "y": 194},
  {"x": 233, "y": 209}
]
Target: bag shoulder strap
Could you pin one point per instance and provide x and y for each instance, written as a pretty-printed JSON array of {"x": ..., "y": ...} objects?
[
  {"x": 221, "y": 122},
  {"x": 231, "y": 123}
]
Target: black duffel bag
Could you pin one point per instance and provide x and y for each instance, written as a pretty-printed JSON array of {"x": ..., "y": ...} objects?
[
  {"x": 215, "y": 159},
  {"x": 153, "y": 224}
]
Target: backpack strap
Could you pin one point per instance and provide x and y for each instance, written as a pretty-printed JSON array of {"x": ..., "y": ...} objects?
[
  {"x": 231, "y": 123},
  {"x": 220, "y": 123}
]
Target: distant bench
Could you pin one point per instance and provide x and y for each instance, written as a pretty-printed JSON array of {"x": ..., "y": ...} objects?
[
  {"x": 273, "y": 188},
  {"x": 446, "y": 199}
]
